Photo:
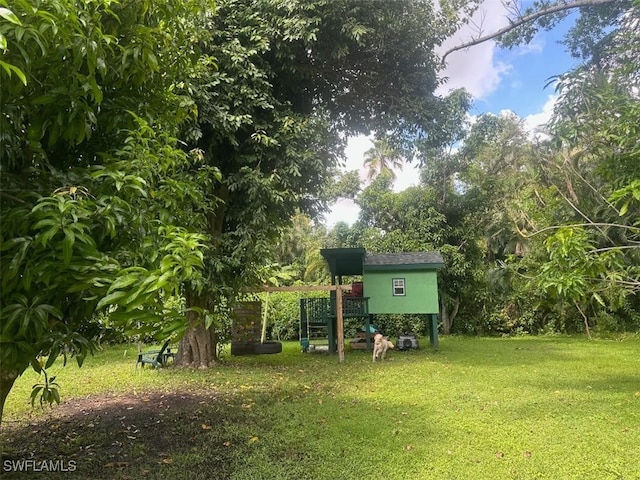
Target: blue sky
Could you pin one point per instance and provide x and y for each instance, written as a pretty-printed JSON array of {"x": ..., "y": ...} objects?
[
  {"x": 497, "y": 79},
  {"x": 522, "y": 87}
]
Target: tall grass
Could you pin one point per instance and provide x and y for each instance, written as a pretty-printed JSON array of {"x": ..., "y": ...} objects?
[{"x": 480, "y": 408}]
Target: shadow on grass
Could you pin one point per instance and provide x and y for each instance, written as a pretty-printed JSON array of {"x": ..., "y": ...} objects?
[
  {"x": 128, "y": 436},
  {"x": 276, "y": 433},
  {"x": 417, "y": 415},
  {"x": 291, "y": 431}
]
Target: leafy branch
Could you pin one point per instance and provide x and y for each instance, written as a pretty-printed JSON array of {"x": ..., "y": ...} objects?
[{"x": 524, "y": 19}]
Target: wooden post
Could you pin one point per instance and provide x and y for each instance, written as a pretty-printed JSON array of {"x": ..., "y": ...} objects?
[
  {"x": 433, "y": 332},
  {"x": 300, "y": 288},
  {"x": 340, "y": 325},
  {"x": 263, "y": 337}
]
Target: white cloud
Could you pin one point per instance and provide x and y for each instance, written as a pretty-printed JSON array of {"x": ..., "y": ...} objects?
[
  {"x": 355, "y": 150},
  {"x": 477, "y": 72},
  {"x": 534, "y": 123},
  {"x": 476, "y": 68},
  {"x": 346, "y": 210},
  {"x": 342, "y": 211},
  {"x": 536, "y": 45},
  {"x": 409, "y": 176}
]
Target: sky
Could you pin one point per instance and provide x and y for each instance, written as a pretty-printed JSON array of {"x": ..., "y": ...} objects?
[{"x": 497, "y": 79}]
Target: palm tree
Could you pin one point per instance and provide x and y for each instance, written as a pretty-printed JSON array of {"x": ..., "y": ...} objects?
[{"x": 382, "y": 157}]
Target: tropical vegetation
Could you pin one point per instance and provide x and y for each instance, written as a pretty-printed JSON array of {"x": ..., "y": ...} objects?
[{"x": 160, "y": 159}]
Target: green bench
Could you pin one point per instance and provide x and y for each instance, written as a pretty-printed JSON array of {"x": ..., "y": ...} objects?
[{"x": 156, "y": 358}]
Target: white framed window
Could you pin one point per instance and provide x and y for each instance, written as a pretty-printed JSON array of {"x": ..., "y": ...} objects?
[{"x": 399, "y": 287}]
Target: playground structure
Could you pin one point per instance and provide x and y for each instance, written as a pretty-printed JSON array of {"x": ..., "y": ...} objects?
[
  {"x": 396, "y": 283},
  {"x": 319, "y": 315}
]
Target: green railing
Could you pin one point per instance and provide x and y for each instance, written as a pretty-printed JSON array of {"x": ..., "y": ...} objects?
[
  {"x": 315, "y": 310},
  {"x": 319, "y": 313},
  {"x": 320, "y": 310},
  {"x": 355, "y": 306}
]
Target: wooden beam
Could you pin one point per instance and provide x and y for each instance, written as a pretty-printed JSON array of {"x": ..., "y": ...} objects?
[
  {"x": 340, "y": 325},
  {"x": 321, "y": 288},
  {"x": 307, "y": 288},
  {"x": 263, "y": 338}
]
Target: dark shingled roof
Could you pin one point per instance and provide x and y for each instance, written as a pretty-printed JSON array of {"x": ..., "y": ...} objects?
[{"x": 407, "y": 258}]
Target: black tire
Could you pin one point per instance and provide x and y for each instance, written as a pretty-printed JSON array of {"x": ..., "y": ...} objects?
[
  {"x": 267, "y": 347},
  {"x": 242, "y": 348}
]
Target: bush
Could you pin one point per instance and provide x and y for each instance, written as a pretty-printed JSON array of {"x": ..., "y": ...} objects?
[
  {"x": 393, "y": 325},
  {"x": 284, "y": 313}
]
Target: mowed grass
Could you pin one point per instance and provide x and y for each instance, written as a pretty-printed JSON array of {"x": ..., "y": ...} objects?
[{"x": 480, "y": 408}]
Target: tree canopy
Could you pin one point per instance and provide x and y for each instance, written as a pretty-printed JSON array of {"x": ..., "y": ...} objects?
[
  {"x": 537, "y": 234},
  {"x": 92, "y": 173},
  {"x": 289, "y": 83},
  {"x": 160, "y": 149},
  {"x": 152, "y": 149}
]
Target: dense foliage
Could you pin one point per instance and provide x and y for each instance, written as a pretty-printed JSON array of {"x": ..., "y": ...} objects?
[
  {"x": 290, "y": 80},
  {"x": 538, "y": 234},
  {"x": 157, "y": 149},
  {"x": 95, "y": 190},
  {"x": 154, "y": 152}
]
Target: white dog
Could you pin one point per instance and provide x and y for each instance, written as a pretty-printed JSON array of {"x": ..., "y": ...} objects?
[{"x": 380, "y": 346}]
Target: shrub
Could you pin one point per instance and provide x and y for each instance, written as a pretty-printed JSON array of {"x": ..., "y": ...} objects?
[
  {"x": 284, "y": 313},
  {"x": 393, "y": 325}
]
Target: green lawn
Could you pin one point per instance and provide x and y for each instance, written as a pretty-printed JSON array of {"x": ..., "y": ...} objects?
[{"x": 480, "y": 408}]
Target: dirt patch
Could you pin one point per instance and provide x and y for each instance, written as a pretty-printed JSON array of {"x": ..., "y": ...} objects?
[{"x": 121, "y": 436}]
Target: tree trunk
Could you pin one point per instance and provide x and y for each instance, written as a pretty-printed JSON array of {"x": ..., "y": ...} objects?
[
  {"x": 198, "y": 347},
  {"x": 585, "y": 319},
  {"x": 444, "y": 316},
  {"x": 7, "y": 379},
  {"x": 447, "y": 316}
]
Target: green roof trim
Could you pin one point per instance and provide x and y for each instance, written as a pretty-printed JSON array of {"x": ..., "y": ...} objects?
[{"x": 344, "y": 261}]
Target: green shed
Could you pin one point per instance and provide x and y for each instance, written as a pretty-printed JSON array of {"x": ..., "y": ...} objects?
[
  {"x": 402, "y": 282},
  {"x": 392, "y": 283}
]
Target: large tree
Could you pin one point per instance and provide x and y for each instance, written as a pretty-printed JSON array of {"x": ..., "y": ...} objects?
[
  {"x": 597, "y": 158},
  {"x": 576, "y": 204},
  {"x": 95, "y": 191},
  {"x": 290, "y": 81}
]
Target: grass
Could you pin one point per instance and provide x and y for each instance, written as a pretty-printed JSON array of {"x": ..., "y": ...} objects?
[{"x": 480, "y": 408}]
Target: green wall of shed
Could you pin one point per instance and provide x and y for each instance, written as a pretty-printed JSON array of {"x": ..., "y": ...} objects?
[{"x": 421, "y": 288}]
